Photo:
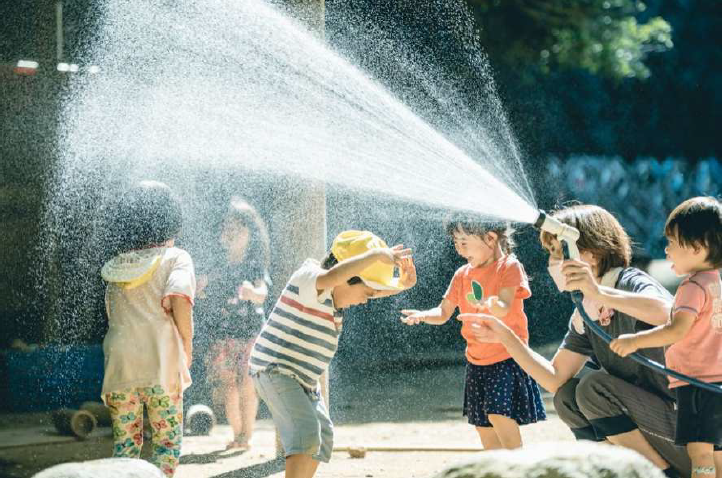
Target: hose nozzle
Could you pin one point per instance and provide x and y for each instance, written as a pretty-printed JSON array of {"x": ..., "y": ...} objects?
[{"x": 564, "y": 233}]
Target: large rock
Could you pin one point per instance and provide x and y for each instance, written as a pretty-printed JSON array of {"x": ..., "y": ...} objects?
[
  {"x": 105, "y": 468},
  {"x": 557, "y": 460}
]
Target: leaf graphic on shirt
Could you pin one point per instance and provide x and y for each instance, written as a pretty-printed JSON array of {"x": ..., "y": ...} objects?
[
  {"x": 478, "y": 290},
  {"x": 476, "y": 295}
]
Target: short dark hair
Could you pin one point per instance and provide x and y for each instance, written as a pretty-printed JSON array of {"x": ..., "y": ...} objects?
[
  {"x": 330, "y": 260},
  {"x": 599, "y": 233},
  {"x": 697, "y": 222},
  {"x": 475, "y": 226},
  {"x": 148, "y": 214}
]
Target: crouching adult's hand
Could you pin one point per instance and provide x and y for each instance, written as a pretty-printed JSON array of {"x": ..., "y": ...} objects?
[{"x": 485, "y": 327}]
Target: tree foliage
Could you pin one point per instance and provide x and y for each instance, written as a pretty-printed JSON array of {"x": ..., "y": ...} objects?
[
  {"x": 606, "y": 37},
  {"x": 676, "y": 112}
]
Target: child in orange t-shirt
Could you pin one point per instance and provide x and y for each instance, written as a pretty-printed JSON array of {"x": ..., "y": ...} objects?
[
  {"x": 498, "y": 395},
  {"x": 694, "y": 233}
]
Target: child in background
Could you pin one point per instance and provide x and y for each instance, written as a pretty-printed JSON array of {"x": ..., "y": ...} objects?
[
  {"x": 694, "y": 331},
  {"x": 148, "y": 346},
  {"x": 498, "y": 396},
  {"x": 301, "y": 335},
  {"x": 231, "y": 295}
]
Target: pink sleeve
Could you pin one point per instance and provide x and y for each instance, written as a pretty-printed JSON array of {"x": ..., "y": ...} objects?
[
  {"x": 690, "y": 297},
  {"x": 514, "y": 276},
  {"x": 453, "y": 293},
  {"x": 181, "y": 281}
]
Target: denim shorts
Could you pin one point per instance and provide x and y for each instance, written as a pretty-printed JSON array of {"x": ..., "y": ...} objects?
[{"x": 299, "y": 415}]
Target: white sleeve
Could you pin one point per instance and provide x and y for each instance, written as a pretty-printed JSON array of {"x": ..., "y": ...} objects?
[
  {"x": 181, "y": 280},
  {"x": 305, "y": 279}
]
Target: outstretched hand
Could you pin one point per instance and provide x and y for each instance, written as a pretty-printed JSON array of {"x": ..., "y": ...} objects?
[
  {"x": 412, "y": 316},
  {"x": 394, "y": 255},
  {"x": 485, "y": 328},
  {"x": 408, "y": 272},
  {"x": 485, "y": 307}
]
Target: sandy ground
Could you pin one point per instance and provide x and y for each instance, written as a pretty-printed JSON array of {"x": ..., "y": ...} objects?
[
  {"x": 207, "y": 462},
  {"x": 417, "y": 408}
]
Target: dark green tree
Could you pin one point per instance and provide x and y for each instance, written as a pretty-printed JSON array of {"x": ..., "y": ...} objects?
[{"x": 605, "y": 37}]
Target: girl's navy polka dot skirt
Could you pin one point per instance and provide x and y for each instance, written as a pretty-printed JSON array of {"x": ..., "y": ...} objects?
[{"x": 504, "y": 389}]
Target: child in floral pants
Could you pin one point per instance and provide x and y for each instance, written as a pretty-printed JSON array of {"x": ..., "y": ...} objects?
[
  {"x": 148, "y": 346},
  {"x": 166, "y": 418}
]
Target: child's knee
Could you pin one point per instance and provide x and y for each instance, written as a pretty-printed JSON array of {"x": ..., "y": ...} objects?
[
  {"x": 487, "y": 433},
  {"x": 701, "y": 453},
  {"x": 500, "y": 420}
]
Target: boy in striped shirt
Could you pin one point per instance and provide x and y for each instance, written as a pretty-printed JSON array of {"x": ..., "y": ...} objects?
[{"x": 301, "y": 335}]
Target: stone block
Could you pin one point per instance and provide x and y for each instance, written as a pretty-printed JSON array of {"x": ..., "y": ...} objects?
[
  {"x": 581, "y": 459},
  {"x": 106, "y": 468}
]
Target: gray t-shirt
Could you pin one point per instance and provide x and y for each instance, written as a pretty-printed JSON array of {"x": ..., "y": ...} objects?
[{"x": 591, "y": 345}]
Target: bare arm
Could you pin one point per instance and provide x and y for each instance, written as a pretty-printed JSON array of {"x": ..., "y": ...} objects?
[
  {"x": 499, "y": 306},
  {"x": 550, "y": 375},
  {"x": 255, "y": 293},
  {"x": 182, "y": 312},
  {"x": 352, "y": 267},
  {"x": 201, "y": 284},
  {"x": 436, "y": 316},
  {"x": 649, "y": 309},
  {"x": 656, "y": 337}
]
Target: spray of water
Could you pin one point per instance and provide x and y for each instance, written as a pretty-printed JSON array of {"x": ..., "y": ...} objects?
[
  {"x": 227, "y": 97},
  {"x": 185, "y": 86}
]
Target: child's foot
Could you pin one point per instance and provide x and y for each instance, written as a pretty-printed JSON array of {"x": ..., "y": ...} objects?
[{"x": 240, "y": 445}]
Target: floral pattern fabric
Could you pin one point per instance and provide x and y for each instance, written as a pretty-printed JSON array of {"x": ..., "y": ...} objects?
[
  {"x": 227, "y": 359},
  {"x": 165, "y": 412}
]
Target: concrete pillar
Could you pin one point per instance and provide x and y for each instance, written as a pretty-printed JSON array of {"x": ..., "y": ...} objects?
[
  {"x": 298, "y": 217},
  {"x": 298, "y": 223}
]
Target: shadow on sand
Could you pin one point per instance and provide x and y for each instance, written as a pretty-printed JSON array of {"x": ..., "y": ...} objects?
[
  {"x": 260, "y": 470},
  {"x": 204, "y": 459}
]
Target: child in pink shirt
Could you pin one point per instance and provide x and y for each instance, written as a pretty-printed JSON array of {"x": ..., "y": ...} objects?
[{"x": 694, "y": 232}]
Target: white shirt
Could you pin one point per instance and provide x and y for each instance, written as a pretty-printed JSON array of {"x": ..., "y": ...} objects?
[{"x": 143, "y": 347}]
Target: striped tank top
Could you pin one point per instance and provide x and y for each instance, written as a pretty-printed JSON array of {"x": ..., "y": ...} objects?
[{"x": 301, "y": 335}]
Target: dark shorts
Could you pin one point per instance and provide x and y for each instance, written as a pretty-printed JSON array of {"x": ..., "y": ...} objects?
[
  {"x": 699, "y": 416},
  {"x": 504, "y": 389}
]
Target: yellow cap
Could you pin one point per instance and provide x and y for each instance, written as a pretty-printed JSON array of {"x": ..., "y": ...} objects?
[{"x": 378, "y": 275}]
